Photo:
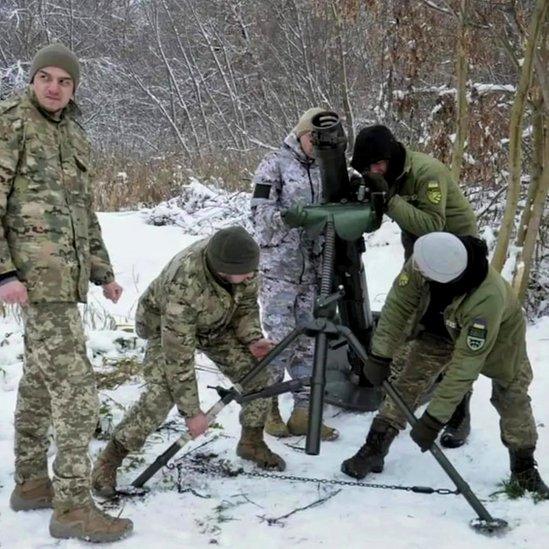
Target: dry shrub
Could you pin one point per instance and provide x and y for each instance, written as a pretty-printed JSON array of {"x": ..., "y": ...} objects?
[{"x": 123, "y": 183}]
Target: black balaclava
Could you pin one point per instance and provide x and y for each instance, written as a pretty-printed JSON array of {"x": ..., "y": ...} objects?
[{"x": 443, "y": 294}]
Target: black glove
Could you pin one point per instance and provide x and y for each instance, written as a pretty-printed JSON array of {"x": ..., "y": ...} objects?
[
  {"x": 425, "y": 431},
  {"x": 294, "y": 216},
  {"x": 377, "y": 369},
  {"x": 377, "y": 183}
]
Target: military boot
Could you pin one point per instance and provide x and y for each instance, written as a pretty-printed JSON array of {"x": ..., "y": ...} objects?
[
  {"x": 104, "y": 471},
  {"x": 275, "y": 425},
  {"x": 298, "y": 424},
  {"x": 251, "y": 446},
  {"x": 32, "y": 494},
  {"x": 458, "y": 428},
  {"x": 88, "y": 523},
  {"x": 370, "y": 457},
  {"x": 525, "y": 474}
]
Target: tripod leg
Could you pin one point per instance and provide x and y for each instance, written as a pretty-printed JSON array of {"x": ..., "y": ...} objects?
[
  {"x": 488, "y": 522},
  {"x": 214, "y": 411},
  {"x": 316, "y": 400}
]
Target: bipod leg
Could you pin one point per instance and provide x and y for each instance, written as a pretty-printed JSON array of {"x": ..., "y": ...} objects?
[
  {"x": 211, "y": 414},
  {"x": 485, "y": 523}
]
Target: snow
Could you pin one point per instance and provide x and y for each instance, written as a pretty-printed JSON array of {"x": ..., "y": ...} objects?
[{"x": 229, "y": 514}]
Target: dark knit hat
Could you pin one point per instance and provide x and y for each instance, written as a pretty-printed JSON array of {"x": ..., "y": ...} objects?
[
  {"x": 56, "y": 55},
  {"x": 373, "y": 144},
  {"x": 232, "y": 251}
]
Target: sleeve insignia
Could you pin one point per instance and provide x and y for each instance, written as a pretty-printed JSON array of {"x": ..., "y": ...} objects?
[
  {"x": 403, "y": 279},
  {"x": 476, "y": 335},
  {"x": 434, "y": 194}
]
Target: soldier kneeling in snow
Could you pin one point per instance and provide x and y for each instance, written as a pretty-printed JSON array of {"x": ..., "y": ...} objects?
[
  {"x": 465, "y": 316},
  {"x": 205, "y": 299}
]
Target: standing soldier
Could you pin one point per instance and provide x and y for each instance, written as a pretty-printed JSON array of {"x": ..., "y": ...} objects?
[
  {"x": 422, "y": 198},
  {"x": 290, "y": 264},
  {"x": 448, "y": 283},
  {"x": 50, "y": 248},
  {"x": 205, "y": 299}
]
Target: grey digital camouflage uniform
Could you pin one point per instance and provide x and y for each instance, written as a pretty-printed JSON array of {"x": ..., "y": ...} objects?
[
  {"x": 185, "y": 310},
  {"x": 51, "y": 241},
  {"x": 290, "y": 259}
]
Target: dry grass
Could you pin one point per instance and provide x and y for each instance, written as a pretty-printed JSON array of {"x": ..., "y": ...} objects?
[{"x": 127, "y": 183}]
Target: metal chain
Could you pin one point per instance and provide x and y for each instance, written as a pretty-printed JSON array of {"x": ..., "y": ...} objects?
[{"x": 223, "y": 470}]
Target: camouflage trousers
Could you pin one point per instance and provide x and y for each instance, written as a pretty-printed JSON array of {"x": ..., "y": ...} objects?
[
  {"x": 57, "y": 389},
  {"x": 149, "y": 412},
  {"x": 284, "y": 305},
  {"x": 428, "y": 356}
]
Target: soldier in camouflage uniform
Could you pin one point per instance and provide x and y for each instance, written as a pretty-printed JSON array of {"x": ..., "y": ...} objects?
[
  {"x": 205, "y": 299},
  {"x": 447, "y": 287},
  {"x": 290, "y": 263},
  {"x": 422, "y": 198},
  {"x": 50, "y": 248}
]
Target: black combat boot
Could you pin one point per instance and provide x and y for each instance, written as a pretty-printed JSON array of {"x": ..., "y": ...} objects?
[
  {"x": 371, "y": 455},
  {"x": 524, "y": 472},
  {"x": 458, "y": 428}
]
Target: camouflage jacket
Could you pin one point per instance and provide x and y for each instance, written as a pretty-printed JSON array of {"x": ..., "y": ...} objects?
[
  {"x": 283, "y": 179},
  {"x": 486, "y": 325},
  {"x": 49, "y": 235},
  {"x": 188, "y": 309},
  {"x": 428, "y": 199}
]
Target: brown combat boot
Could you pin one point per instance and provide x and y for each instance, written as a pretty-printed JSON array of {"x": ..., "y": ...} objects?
[
  {"x": 371, "y": 456},
  {"x": 251, "y": 446},
  {"x": 104, "y": 470},
  {"x": 275, "y": 425},
  {"x": 32, "y": 494},
  {"x": 299, "y": 422},
  {"x": 88, "y": 523}
]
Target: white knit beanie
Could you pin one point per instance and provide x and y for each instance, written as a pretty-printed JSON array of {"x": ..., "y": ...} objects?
[{"x": 441, "y": 257}]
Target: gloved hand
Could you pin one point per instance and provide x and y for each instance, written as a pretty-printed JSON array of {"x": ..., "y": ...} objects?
[
  {"x": 377, "y": 369},
  {"x": 294, "y": 216},
  {"x": 377, "y": 183},
  {"x": 425, "y": 431}
]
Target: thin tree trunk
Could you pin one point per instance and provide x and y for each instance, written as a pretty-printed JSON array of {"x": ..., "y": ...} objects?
[
  {"x": 515, "y": 136},
  {"x": 520, "y": 282},
  {"x": 462, "y": 107}
]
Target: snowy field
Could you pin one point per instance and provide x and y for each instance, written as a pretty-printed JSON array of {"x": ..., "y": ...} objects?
[{"x": 235, "y": 512}]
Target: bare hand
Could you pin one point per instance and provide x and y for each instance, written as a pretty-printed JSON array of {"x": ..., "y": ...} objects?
[
  {"x": 260, "y": 348},
  {"x": 14, "y": 292},
  {"x": 112, "y": 291},
  {"x": 197, "y": 424}
]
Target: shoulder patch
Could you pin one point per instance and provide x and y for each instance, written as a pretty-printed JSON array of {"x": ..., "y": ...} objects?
[
  {"x": 476, "y": 335},
  {"x": 434, "y": 194},
  {"x": 403, "y": 279}
]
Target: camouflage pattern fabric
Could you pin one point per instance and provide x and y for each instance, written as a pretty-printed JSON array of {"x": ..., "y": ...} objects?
[
  {"x": 57, "y": 388},
  {"x": 226, "y": 351},
  {"x": 49, "y": 235},
  {"x": 290, "y": 260},
  {"x": 283, "y": 179},
  {"x": 187, "y": 308},
  {"x": 423, "y": 360},
  {"x": 283, "y": 305}
]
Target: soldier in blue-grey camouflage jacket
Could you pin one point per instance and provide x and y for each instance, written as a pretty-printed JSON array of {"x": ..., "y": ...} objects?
[
  {"x": 290, "y": 263},
  {"x": 50, "y": 249}
]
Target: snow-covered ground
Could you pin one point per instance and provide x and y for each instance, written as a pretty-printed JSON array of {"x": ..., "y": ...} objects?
[{"x": 233, "y": 512}]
